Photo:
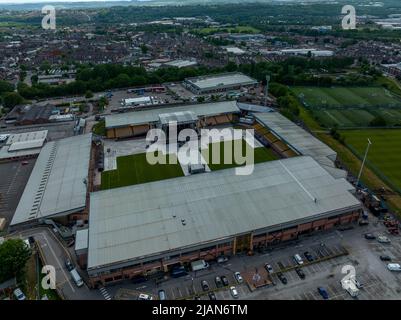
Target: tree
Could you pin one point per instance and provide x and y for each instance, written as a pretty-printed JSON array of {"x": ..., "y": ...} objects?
[
  {"x": 5, "y": 87},
  {"x": 14, "y": 254},
  {"x": 11, "y": 99},
  {"x": 144, "y": 49},
  {"x": 378, "y": 122},
  {"x": 88, "y": 94}
]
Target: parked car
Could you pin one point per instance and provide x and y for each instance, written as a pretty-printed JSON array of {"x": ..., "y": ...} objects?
[
  {"x": 394, "y": 267},
  {"x": 222, "y": 259},
  {"x": 218, "y": 282},
  {"x": 385, "y": 258},
  {"x": 162, "y": 295},
  {"x": 322, "y": 291},
  {"x": 300, "y": 273},
  {"x": 144, "y": 296},
  {"x": 383, "y": 239},
  {"x": 204, "y": 285},
  {"x": 212, "y": 296},
  {"x": 234, "y": 292},
  {"x": 282, "y": 278},
  {"x": 197, "y": 298},
  {"x": 309, "y": 256},
  {"x": 225, "y": 280},
  {"x": 24, "y": 163},
  {"x": 363, "y": 223},
  {"x": 69, "y": 265},
  {"x": 269, "y": 268},
  {"x": 370, "y": 236},
  {"x": 238, "y": 277},
  {"x": 298, "y": 259},
  {"x": 19, "y": 295}
]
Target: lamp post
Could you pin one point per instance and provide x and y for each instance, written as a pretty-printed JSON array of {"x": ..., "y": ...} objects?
[{"x": 363, "y": 162}]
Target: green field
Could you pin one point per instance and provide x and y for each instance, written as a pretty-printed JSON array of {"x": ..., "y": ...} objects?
[
  {"x": 351, "y": 106},
  {"x": 238, "y": 29},
  {"x": 385, "y": 151},
  {"x": 135, "y": 169},
  {"x": 261, "y": 154}
]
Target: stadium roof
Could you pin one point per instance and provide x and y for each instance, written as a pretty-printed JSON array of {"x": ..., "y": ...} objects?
[
  {"x": 141, "y": 221},
  {"x": 23, "y": 145},
  {"x": 297, "y": 138},
  {"x": 179, "y": 117},
  {"x": 57, "y": 182},
  {"x": 152, "y": 115},
  {"x": 221, "y": 81},
  {"x": 27, "y": 136}
]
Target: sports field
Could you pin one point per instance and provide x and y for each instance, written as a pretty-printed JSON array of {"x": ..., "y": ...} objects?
[
  {"x": 350, "y": 106},
  {"x": 384, "y": 153},
  {"x": 135, "y": 169},
  {"x": 261, "y": 154}
]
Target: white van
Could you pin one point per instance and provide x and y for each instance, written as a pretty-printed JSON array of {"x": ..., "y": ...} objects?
[
  {"x": 298, "y": 259},
  {"x": 76, "y": 277},
  {"x": 394, "y": 267}
]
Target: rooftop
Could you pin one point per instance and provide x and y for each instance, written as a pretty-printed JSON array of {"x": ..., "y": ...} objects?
[
  {"x": 152, "y": 115},
  {"x": 27, "y": 136},
  {"x": 213, "y": 205},
  {"x": 221, "y": 80},
  {"x": 57, "y": 182}
]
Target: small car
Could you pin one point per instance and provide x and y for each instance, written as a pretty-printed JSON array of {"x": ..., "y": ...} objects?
[
  {"x": 212, "y": 296},
  {"x": 322, "y": 291},
  {"x": 234, "y": 292},
  {"x": 238, "y": 277},
  {"x": 69, "y": 265},
  {"x": 197, "y": 298},
  {"x": 225, "y": 280},
  {"x": 19, "y": 295},
  {"x": 370, "y": 236},
  {"x": 309, "y": 256},
  {"x": 204, "y": 285},
  {"x": 222, "y": 259},
  {"x": 269, "y": 268},
  {"x": 363, "y": 223},
  {"x": 394, "y": 267},
  {"x": 24, "y": 163},
  {"x": 282, "y": 278},
  {"x": 300, "y": 273},
  {"x": 218, "y": 282},
  {"x": 162, "y": 294},
  {"x": 383, "y": 239},
  {"x": 298, "y": 259},
  {"x": 385, "y": 258},
  {"x": 144, "y": 296}
]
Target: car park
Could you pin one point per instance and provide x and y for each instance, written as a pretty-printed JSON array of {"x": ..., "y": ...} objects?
[
  {"x": 385, "y": 258},
  {"x": 323, "y": 292},
  {"x": 238, "y": 277},
  {"x": 370, "y": 236},
  {"x": 308, "y": 256},
  {"x": 162, "y": 295},
  {"x": 269, "y": 268},
  {"x": 282, "y": 278},
  {"x": 298, "y": 259},
  {"x": 224, "y": 280},
  {"x": 218, "y": 282},
  {"x": 212, "y": 296},
  {"x": 19, "y": 295},
  {"x": 234, "y": 292},
  {"x": 204, "y": 285},
  {"x": 383, "y": 239},
  {"x": 300, "y": 273}
]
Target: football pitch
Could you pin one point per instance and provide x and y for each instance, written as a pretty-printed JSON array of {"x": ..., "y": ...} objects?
[
  {"x": 135, "y": 169},
  {"x": 350, "y": 106},
  {"x": 384, "y": 153}
]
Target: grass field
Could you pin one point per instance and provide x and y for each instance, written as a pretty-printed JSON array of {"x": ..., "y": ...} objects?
[
  {"x": 238, "y": 29},
  {"x": 351, "y": 106},
  {"x": 384, "y": 153},
  {"x": 135, "y": 169},
  {"x": 261, "y": 154}
]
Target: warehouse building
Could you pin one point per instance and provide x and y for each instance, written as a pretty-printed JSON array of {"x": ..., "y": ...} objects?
[
  {"x": 57, "y": 186},
  {"x": 219, "y": 83},
  {"x": 179, "y": 220},
  {"x": 137, "y": 123}
]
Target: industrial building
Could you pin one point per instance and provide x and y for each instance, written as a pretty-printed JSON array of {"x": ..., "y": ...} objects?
[
  {"x": 25, "y": 145},
  {"x": 58, "y": 184},
  {"x": 137, "y": 123},
  {"x": 219, "y": 83},
  {"x": 183, "y": 219},
  {"x": 30, "y": 114}
]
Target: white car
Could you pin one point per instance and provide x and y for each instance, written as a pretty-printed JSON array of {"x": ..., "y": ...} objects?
[
  {"x": 144, "y": 296},
  {"x": 394, "y": 267},
  {"x": 19, "y": 294},
  {"x": 298, "y": 259},
  {"x": 234, "y": 292},
  {"x": 238, "y": 277},
  {"x": 269, "y": 268},
  {"x": 383, "y": 239}
]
